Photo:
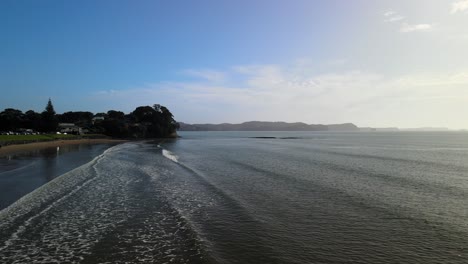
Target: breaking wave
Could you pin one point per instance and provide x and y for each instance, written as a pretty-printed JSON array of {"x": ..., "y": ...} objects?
[{"x": 170, "y": 155}]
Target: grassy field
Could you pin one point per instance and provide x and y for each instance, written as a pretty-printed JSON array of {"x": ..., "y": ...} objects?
[
  {"x": 24, "y": 139},
  {"x": 7, "y": 138},
  {"x": 21, "y": 139}
]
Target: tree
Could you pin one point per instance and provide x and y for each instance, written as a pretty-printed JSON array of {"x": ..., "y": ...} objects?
[
  {"x": 112, "y": 114},
  {"x": 50, "y": 108},
  {"x": 114, "y": 124},
  {"x": 143, "y": 114},
  {"x": 152, "y": 122},
  {"x": 79, "y": 118},
  {"x": 32, "y": 120},
  {"x": 144, "y": 122},
  {"x": 11, "y": 119},
  {"x": 49, "y": 120},
  {"x": 169, "y": 125}
]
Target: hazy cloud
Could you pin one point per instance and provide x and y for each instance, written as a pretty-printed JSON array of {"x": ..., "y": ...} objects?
[
  {"x": 391, "y": 16},
  {"x": 274, "y": 93},
  {"x": 209, "y": 75},
  {"x": 394, "y": 19},
  {"x": 337, "y": 62},
  {"x": 406, "y": 28},
  {"x": 459, "y": 6}
]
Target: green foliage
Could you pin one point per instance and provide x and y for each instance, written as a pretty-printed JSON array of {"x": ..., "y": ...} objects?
[
  {"x": 32, "y": 120},
  {"x": 49, "y": 120},
  {"x": 50, "y": 108},
  {"x": 117, "y": 115},
  {"x": 79, "y": 118},
  {"x": 143, "y": 122},
  {"x": 10, "y": 118},
  {"x": 115, "y": 128},
  {"x": 152, "y": 122}
]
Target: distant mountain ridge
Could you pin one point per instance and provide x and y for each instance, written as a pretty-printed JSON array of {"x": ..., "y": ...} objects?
[{"x": 267, "y": 126}]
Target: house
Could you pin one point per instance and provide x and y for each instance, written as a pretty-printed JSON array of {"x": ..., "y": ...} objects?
[
  {"x": 70, "y": 128},
  {"x": 97, "y": 119}
]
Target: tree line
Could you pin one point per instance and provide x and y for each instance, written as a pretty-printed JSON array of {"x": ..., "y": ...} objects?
[{"x": 144, "y": 122}]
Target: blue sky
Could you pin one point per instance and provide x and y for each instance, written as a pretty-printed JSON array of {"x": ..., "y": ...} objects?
[{"x": 374, "y": 63}]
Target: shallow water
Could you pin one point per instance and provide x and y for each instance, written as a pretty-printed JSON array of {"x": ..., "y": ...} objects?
[
  {"x": 231, "y": 197},
  {"x": 24, "y": 172}
]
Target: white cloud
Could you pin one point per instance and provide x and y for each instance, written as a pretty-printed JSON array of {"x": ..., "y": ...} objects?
[
  {"x": 274, "y": 93},
  {"x": 428, "y": 82},
  {"x": 406, "y": 28},
  {"x": 391, "y": 17},
  {"x": 394, "y": 19},
  {"x": 459, "y": 6}
]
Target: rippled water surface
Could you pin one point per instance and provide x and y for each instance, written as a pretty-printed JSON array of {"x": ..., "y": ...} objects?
[{"x": 253, "y": 197}]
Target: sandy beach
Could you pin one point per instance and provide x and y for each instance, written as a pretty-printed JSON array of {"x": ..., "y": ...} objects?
[{"x": 12, "y": 149}]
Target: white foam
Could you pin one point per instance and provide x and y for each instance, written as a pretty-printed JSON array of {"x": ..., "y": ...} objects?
[
  {"x": 22, "y": 228},
  {"x": 170, "y": 155},
  {"x": 47, "y": 192}
]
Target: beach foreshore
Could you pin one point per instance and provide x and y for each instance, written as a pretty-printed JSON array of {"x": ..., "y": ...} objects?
[{"x": 18, "y": 148}]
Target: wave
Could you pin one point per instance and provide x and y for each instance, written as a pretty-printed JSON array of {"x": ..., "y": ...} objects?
[
  {"x": 170, "y": 155},
  {"x": 110, "y": 205},
  {"x": 32, "y": 205}
]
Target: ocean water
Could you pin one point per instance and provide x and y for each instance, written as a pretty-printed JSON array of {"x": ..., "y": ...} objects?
[{"x": 252, "y": 197}]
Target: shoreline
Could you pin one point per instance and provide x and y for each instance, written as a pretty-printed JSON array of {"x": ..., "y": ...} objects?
[{"x": 18, "y": 148}]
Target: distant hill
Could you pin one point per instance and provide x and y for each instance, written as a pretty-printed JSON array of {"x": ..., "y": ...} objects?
[
  {"x": 430, "y": 129},
  {"x": 396, "y": 129},
  {"x": 267, "y": 126}
]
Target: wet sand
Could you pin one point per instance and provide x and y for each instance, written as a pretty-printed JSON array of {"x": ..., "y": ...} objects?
[{"x": 15, "y": 149}]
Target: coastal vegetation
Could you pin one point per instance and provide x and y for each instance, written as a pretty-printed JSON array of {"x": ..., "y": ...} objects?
[{"x": 144, "y": 122}]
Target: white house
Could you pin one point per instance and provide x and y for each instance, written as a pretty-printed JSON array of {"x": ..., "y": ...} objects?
[{"x": 70, "y": 128}]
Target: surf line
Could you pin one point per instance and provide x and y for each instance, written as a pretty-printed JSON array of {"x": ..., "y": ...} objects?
[
  {"x": 170, "y": 155},
  {"x": 27, "y": 196},
  {"x": 22, "y": 228}
]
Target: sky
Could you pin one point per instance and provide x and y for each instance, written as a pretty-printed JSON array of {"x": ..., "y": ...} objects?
[{"x": 397, "y": 63}]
